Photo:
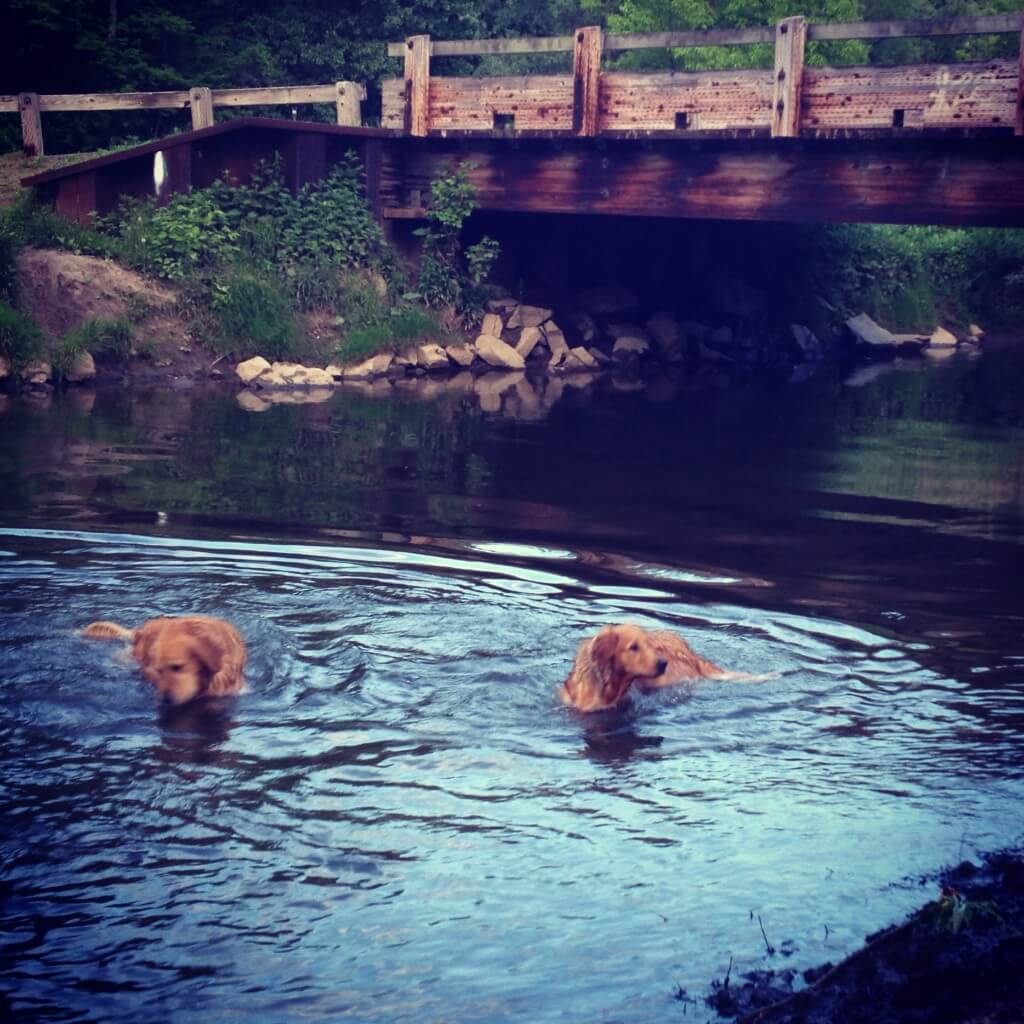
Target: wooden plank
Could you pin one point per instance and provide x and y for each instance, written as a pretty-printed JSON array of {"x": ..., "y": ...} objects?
[
  {"x": 987, "y": 24},
  {"x": 535, "y": 103},
  {"x": 979, "y": 25},
  {"x": 1018, "y": 128},
  {"x": 8, "y": 104},
  {"x": 473, "y": 47},
  {"x": 348, "y": 99},
  {"x": 114, "y": 101},
  {"x": 980, "y": 182},
  {"x": 417, "y": 85},
  {"x": 790, "y": 42},
  {"x": 31, "y": 125},
  {"x": 586, "y": 81},
  {"x": 283, "y": 95},
  {"x": 691, "y": 101},
  {"x": 677, "y": 40},
  {"x": 948, "y": 95},
  {"x": 200, "y": 99},
  {"x": 76, "y": 198}
]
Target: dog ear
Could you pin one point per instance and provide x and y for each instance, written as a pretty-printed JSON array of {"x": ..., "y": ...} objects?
[
  {"x": 603, "y": 649},
  {"x": 225, "y": 664}
]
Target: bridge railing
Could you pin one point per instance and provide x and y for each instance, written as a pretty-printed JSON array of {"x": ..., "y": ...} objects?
[
  {"x": 199, "y": 100},
  {"x": 786, "y": 101}
]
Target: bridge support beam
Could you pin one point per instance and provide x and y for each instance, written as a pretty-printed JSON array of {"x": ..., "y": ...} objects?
[
  {"x": 586, "y": 81},
  {"x": 417, "y": 85},
  {"x": 790, "y": 42}
]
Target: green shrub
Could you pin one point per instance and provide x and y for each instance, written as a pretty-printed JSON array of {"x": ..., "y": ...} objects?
[
  {"x": 96, "y": 334},
  {"x": 253, "y": 314},
  {"x": 20, "y": 339},
  {"x": 8, "y": 267},
  {"x": 374, "y": 328}
]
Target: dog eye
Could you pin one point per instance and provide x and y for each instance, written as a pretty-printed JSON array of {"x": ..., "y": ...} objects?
[
  {"x": 634, "y": 647},
  {"x": 175, "y": 668}
]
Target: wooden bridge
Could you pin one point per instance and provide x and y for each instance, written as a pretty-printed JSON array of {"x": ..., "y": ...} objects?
[{"x": 938, "y": 144}]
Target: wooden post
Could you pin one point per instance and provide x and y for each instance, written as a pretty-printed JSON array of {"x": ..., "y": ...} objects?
[
  {"x": 31, "y": 125},
  {"x": 790, "y": 41},
  {"x": 350, "y": 95},
  {"x": 417, "y": 85},
  {"x": 201, "y": 101},
  {"x": 586, "y": 80},
  {"x": 1018, "y": 128}
]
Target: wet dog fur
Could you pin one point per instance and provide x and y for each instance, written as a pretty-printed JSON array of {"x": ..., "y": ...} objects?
[
  {"x": 621, "y": 656},
  {"x": 184, "y": 658}
]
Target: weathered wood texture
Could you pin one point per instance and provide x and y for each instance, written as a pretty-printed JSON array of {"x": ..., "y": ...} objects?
[
  {"x": 975, "y": 95},
  {"x": 200, "y": 99},
  {"x": 586, "y": 81},
  {"x": 968, "y": 25},
  {"x": 790, "y": 42},
  {"x": 536, "y": 102},
  {"x": 934, "y": 181},
  {"x": 970, "y": 95},
  {"x": 707, "y": 100},
  {"x": 1019, "y": 123},
  {"x": 31, "y": 125},
  {"x": 416, "y": 96}
]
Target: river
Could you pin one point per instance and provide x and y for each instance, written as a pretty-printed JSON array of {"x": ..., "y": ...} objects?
[{"x": 398, "y": 822}]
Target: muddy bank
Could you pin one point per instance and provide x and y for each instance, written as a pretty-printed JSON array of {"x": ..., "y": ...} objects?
[{"x": 958, "y": 960}]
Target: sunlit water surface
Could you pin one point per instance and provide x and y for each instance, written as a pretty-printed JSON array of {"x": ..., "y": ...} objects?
[{"x": 398, "y": 822}]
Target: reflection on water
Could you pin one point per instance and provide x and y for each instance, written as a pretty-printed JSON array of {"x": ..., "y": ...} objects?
[{"x": 399, "y": 822}]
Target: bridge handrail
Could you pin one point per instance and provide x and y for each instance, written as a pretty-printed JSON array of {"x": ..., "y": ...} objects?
[
  {"x": 199, "y": 100},
  {"x": 986, "y": 24}
]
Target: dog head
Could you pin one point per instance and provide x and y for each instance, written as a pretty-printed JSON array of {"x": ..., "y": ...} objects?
[
  {"x": 179, "y": 659},
  {"x": 621, "y": 655}
]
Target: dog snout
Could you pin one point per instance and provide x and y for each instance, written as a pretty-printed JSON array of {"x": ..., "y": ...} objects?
[{"x": 661, "y": 664}]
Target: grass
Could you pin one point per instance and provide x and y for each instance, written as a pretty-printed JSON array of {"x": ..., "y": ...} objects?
[
  {"x": 94, "y": 335},
  {"x": 20, "y": 339}
]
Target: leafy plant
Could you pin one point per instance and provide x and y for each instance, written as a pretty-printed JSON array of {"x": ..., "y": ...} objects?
[
  {"x": 20, "y": 338},
  {"x": 96, "y": 334},
  {"x": 252, "y": 312},
  {"x": 449, "y": 277}
]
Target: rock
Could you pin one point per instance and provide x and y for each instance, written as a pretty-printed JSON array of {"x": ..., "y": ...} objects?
[
  {"x": 806, "y": 340},
  {"x": 625, "y": 347},
  {"x": 270, "y": 378},
  {"x": 528, "y": 316},
  {"x": 36, "y": 373},
  {"x": 599, "y": 357},
  {"x": 581, "y": 358},
  {"x": 5, "y": 368},
  {"x": 496, "y": 352},
  {"x": 529, "y": 337},
  {"x": 461, "y": 355},
  {"x": 557, "y": 359},
  {"x": 502, "y": 305},
  {"x": 432, "y": 356},
  {"x": 334, "y": 370},
  {"x": 666, "y": 332},
  {"x": 317, "y": 378},
  {"x": 867, "y": 332},
  {"x": 375, "y": 366},
  {"x": 492, "y": 325},
  {"x": 404, "y": 359},
  {"x": 941, "y": 338},
  {"x": 82, "y": 369},
  {"x": 975, "y": 333},
  {"x": 605, "y": 301},
  {"x": 554, "y": 337},
  {"x": 251, "y": 368}
]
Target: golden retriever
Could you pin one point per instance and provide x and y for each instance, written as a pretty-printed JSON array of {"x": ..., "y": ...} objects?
[
  {"x": 608, "y": 664},
  {"x": 184, "y": 658}
]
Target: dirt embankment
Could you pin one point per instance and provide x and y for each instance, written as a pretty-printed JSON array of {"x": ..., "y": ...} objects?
[{"x": 959, "y": 960}]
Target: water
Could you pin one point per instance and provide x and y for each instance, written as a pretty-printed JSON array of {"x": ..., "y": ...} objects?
[{"x": 398, "y": 822}]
